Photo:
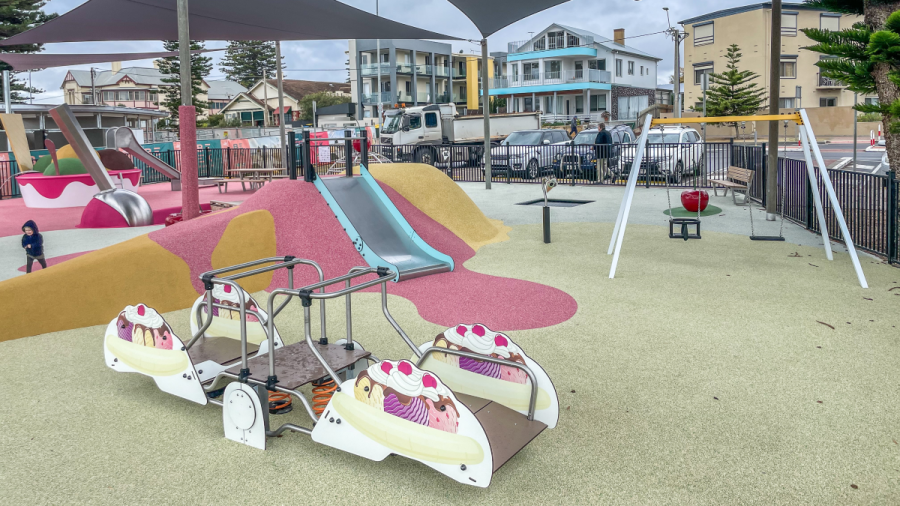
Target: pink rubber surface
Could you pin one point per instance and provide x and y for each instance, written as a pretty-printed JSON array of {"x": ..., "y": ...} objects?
[
  {"x": 190, "y": 197},
  {"x": 98, "y": 214}
]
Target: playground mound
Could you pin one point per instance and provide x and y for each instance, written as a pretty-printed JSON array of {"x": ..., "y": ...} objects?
[{"x": 283, "y": 218}]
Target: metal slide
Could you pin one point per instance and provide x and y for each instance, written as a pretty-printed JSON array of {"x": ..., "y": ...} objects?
[
  {"x": 378, "y": 230},
  {"x": 123, "y": 138}
]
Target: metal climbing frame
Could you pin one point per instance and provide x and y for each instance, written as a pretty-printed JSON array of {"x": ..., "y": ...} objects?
[{"x": 808, "y": 140}]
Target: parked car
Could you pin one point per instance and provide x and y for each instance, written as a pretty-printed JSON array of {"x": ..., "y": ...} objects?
[
  {"x": 527, "y": 152},
  {"x": 582, "y": 146},
  {"x": 673, "y": 152}
]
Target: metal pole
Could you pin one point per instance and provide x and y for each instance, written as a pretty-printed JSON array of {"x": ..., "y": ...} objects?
[
  {"x": 774, "y": 89},
  {"x": 280, "y": 78},
  {"x": 378, "y": 63},
  {"x": 315, "y": 117},
  {"x": 677, "y": 86},
  {"x": 485, "y": 87},
  {"x": 7, "y": 96},
  {"x": 265, "y": 84},
  {"x": 184, "y": 53},
  {"x": 93, "y": 89},
  {"x": 855, "y": 116},
  {"x": 704, "y": 83}
]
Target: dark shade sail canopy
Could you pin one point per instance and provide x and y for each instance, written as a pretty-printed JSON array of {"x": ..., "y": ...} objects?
[
  {"x": 104, "y": 20},
  {"x": 21, "y": 62},
  {"x": 491, "y": 16}
]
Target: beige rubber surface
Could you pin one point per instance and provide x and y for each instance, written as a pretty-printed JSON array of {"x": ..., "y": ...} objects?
[{"x": 700, "y": 375}]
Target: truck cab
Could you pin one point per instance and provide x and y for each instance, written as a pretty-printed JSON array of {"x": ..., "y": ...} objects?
[{"x": 418, "y": 125}]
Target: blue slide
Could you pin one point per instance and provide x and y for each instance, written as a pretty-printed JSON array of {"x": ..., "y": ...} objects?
[{"x": 378, "y": 230}]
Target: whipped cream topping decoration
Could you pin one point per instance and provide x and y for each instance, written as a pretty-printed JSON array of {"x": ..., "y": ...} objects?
[
  {"x": 407, "y": 380},
  {"x": 225, "y": 292},
  {"x": 481, "y": 339},
  {"x": 145, "y": 316}
]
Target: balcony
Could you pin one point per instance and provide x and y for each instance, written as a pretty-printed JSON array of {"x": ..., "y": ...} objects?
[
  {"x": 404, "y": 68},
  {"x": 371, "y": 69},
  {"x": 457, "y": 74},
  {"x": 550, "y": 43},
  {"x": 372, "y": 98},
  {"x": 403, "y": 98},
  {"x": 459, "y": 98},
  {"x": 826, "y": 82},
  {"x": 424, "y": 70},
  {"x": 443, "y": 98},
  {"x": 442, "y": 71},
  {"x": 552, "y": 78}
]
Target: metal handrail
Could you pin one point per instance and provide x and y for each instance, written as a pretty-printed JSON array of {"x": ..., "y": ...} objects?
[{"x": 532, "y": 403}]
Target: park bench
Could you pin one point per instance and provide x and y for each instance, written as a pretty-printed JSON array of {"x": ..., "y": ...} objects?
[{"x": 736, "y": 179}]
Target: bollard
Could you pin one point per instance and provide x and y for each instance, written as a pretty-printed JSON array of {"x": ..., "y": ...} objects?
[
  {"x": 546, "y": 224},
  {"x": 348, "y": 153}
]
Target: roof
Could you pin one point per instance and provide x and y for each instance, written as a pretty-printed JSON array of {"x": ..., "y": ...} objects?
[
  {"x": 249, "y": 97},
  {"x": 88, "y": 109},
  {"x": 140, "y": 75},
  {"x": 746, "y": 8},
  {"x": 298, "y": 89},
  {"x": 223, "y": 90},
  {"x": 607, "y": 42}
]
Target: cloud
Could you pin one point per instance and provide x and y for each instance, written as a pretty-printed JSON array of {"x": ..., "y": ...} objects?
[{"x": 324, "y": 60}]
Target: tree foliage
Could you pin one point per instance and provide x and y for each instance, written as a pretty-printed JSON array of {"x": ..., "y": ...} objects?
[
  {"x": 201, "y": 66},
  {"x": 732, "y": 93},
  {"x": 854, "y": 54},
  {"x": 246, "y": 61},
  {"x": 17, "y": 16},
  {"x": 323, "y": 99}
]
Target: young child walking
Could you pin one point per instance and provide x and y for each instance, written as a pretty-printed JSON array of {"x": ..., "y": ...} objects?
[{"x": 33, "y": 242}]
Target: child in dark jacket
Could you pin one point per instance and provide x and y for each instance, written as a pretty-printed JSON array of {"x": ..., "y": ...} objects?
[{"x": 33, "y": 242}]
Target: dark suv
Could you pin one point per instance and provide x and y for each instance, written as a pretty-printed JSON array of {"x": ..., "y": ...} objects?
[{"x": 580, "y": 155}]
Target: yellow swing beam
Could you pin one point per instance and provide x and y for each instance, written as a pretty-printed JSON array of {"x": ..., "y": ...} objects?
[{"x": 795, "y": 117}]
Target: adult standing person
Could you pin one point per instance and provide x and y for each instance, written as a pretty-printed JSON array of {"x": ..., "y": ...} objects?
[{"x": 603, "y": 149}]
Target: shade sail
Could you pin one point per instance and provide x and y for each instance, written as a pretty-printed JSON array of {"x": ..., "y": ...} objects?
[
  {"x": 26, "y": 61},
  {"x": 491, "y": 16},
  {"x": 101, "y": 20}
]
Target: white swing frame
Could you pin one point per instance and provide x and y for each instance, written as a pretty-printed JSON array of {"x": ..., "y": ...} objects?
[{"x": 808, "y": 142}]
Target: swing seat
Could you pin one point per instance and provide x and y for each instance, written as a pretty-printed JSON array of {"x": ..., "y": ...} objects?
[
  {"x": 766, "y": 238},
  {"x": 684, "y": 225}
]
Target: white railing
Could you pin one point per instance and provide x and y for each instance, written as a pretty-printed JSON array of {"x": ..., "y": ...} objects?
[
  {"x": 371, "y": 69},
  {"x": 554, "y": 42},
  {"x": 549, "y": 78}
]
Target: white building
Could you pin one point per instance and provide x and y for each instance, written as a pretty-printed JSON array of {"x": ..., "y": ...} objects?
[{"x": 564, "y": 71}]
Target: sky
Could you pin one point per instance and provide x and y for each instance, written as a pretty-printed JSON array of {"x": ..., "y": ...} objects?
[{"x": 325, "y": 60}]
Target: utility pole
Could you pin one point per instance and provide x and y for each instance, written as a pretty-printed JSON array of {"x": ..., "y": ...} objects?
[
  {"x": 282, "y": 137},
  {"x": 774, "y": 95},
  {"x": 677, "y": 35},
  {"x": 184, "y": 54},
  {"x": 93, "y": 90},
  {"x": 265, "y": 100}
]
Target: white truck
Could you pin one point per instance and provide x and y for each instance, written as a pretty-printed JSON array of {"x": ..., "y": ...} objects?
[{"x": 427, "y": 132}]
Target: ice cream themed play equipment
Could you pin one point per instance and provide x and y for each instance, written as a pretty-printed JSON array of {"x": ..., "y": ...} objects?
[{"x": 464, "y": 404}]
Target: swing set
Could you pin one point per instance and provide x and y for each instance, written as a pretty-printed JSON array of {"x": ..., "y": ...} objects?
[{"x": 810, "y": 149}]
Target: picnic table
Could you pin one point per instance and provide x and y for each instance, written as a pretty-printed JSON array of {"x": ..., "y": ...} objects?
[{"x": 255, "y": 177}]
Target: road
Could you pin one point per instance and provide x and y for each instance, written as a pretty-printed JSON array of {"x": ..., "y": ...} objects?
[{"x": 834, "y": 154}]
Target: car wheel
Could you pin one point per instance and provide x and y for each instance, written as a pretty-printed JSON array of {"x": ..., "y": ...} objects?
[
  {"x": 679, "y": 172},
  {"x": 532, "y": 171},
  {"x": 425, "y": 156}
]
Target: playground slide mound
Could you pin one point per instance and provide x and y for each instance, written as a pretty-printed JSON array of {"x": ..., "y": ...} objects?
[
  {"x": 435, "y": 194},
  {"x": 283, "y": 218}
]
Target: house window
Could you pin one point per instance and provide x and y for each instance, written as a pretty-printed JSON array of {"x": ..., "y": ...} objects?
[
  {"x": 872, "y": 101},
  {"x": 555, "y": 40},
  {"x": 788, "y": 68},
  {"x": 531, "y": 71},
  {"x": 579, "y": 104},
  {"x": 514, "y": 69},
  {"x": 539, "y": 44},
  {"x": 152, "y": 96},
  {"x": 386, "y": 86},
  {"x": 86, "y": 98},
  {"x": 385, "y": 58},
  {"x": 529, "y": 104},
  {"x": 553, "y": 69},
  {"x": 789, "y": 24},
  {"x": 409, "y": 86},
  {"x": 699, "y": 70},
  {"x": 579, "y": 70},
  {"x": 462, "y": 68},
  {"x": 629, "y": 107},
  {"x": 618, "y": 67},
  {"x": 827, "y": 101},
  {"x": 828, "y": 21},
  {"x": 704, "y": 34},
  {"x": 598, "y": 103},
  {"x": 631, "y": 68},
  {"x": 597, "y": 64},
  {"x": 122, "y": 95},
  {"x": 573, "y": 40},
  {"x": 642, "y": 70},
  {"x": 786, "y": 103}
]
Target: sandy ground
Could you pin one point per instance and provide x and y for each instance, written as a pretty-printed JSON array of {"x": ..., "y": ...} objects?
[{"x": 719, "y": 371}]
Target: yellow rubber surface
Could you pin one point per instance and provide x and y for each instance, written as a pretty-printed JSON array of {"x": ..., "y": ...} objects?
[
  {"x": 247, "y": 237},
  {"x": 90, "y": 289},
  {"x": 438, "y": 196}
]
